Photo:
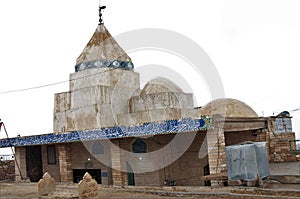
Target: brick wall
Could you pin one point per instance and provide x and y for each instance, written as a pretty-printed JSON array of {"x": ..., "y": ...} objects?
[
  {"x": 189, "y": 167},
  {"x": 65, "y": 162},
  {"x": 280, "y": 147},
  {"x": 216, "y": 151},
  {"x": 232, "y": 138},
  {"x": 119, "y": 177},
  {"x": 50, "y": 168},
  {"x": 185, "y": 170},
  {"x": 83, "y": 158}
]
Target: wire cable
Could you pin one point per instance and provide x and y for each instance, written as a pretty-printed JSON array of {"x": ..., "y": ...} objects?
[{"x": 52, "y": 84}]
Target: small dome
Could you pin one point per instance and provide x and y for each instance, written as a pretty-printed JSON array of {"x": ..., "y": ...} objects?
[
  {"x": 228, "y": 108},
  {"x": 160, "y": 85}
]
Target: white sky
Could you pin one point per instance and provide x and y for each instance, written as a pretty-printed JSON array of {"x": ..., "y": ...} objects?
[{"x": 255, "y": 46}]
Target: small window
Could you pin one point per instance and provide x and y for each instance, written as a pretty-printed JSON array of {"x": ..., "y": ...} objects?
[
  {"x": 97, "y": 148},
  {"x": 139, "y": 146},
  {"x": 51, "y": 153}
]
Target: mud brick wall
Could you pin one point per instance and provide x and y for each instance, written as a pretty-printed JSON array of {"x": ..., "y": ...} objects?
[{"x": 280, "y": 148}]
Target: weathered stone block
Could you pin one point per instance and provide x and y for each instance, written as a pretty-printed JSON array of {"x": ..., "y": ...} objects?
[
  {"x": 235, "y": 182},
  {"x": 87, "y": 187},
  {"x": 62, "y": 102},
  {"x": 251, "y": 183},
  {"x": 190, "y": 113},
  {"x": 88, "y": 78},
  {"x": 120, "y": 100},
  {"x": 90, "y": 117},
  {"x": 105, "y": 77},
  {"x": 155, "y": 101},
  {"x": 149, "y": 116},
  {"x": 125, "y": 79},
  {"x": 105, "y": 116},
  {"x": 91, "y": 95},
  {"x": 59, "y": 122},
  {"x": 46, "y": 185}
]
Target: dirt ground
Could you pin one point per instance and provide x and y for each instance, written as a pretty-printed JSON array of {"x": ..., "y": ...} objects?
[{"x": 27, "y": 190}]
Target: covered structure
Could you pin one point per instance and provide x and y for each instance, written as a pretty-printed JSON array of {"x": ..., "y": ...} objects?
[{"x": 124, "y": 135}]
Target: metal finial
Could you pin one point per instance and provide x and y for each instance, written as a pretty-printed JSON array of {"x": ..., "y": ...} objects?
[{"x": 100, "y": 14}]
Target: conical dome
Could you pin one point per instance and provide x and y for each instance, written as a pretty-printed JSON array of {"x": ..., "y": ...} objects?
[{"x": 103, "y": 51}]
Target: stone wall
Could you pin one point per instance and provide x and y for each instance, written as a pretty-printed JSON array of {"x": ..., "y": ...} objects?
[
  {"x": 149, "y": 116},
  {"x": 163, "y": 100},
  {"x": 159, "y": 100},
  {"x": 95, "y": 98},
  {"x": 278, "y": 140},
  {"x": 7, "y": 170}
]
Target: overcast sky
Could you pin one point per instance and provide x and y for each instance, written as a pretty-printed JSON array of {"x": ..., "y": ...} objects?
[{"x": 255, "y": 46}]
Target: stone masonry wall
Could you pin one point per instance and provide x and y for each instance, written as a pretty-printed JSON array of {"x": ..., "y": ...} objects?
[
  {"x": 95, "y": 98},
  {"x": 7, "y": 170}
]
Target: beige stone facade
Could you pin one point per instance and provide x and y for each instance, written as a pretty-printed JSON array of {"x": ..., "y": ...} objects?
[{"x": 95, "y": 99}]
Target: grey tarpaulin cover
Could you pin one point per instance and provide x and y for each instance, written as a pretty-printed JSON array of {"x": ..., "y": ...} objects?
[{"x": 247, "y": 161}]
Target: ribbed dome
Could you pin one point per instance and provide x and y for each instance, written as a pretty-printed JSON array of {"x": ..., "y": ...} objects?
[{"x": 103, "y": 51}]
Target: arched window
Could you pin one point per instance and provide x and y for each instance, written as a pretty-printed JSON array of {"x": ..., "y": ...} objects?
[
  {"x": 139, "y": 146},
  {"x": 97, "y": 148}
]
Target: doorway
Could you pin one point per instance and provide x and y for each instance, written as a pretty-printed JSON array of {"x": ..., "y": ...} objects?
[
  {"x": 206, "y": 172},
  {"x": 34, "y": 166},
  {"x": 130, "y": 175}
]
